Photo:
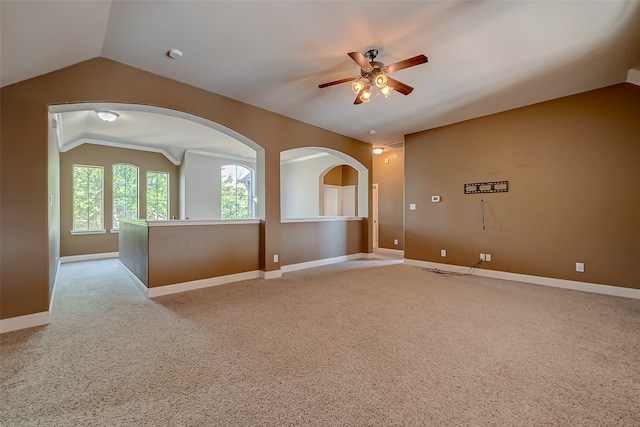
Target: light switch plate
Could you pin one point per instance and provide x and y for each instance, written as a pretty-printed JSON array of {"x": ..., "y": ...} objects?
[{"x": 412, "y": 206}]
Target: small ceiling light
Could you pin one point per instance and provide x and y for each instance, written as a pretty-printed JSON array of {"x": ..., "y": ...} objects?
[
  {"x": 107, "y": 116},
  {"x": 366, "y": 95},
  {"x": 386, "y": 90},
  {"x": 357, "y": 86},
  {"x": 175, "y": 53},
  {"x": 381, "y": 80},
  {"x": 372, "y": 132},
  {"x": 378, "y": 150}
]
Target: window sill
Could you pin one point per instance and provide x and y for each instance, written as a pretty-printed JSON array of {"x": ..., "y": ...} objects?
[
  {"x": 81, "y": 232},
  {"x": 114, "y": 230}
]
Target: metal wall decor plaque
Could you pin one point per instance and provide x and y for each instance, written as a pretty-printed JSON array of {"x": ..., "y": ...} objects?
[{"x": 486, "y": 187}]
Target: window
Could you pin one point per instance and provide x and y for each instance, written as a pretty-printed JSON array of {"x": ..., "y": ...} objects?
[
  {"x": 157, "y": 196},
  {"x": 125, "y": 193},
  {"x": 236, "y": 195},
  {"x": 87, "y": 198}
]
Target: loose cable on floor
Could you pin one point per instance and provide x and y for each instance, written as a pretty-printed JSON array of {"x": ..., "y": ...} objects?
[{"x": 461, "y": 272}]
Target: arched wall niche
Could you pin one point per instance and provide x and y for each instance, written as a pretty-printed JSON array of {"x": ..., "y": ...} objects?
[
  {"x": 338, "y": 189},
  {"x": 301, "y": 175}
]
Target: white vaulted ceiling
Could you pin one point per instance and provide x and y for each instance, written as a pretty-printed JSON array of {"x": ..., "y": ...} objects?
[{"x": 484, "y": 56}]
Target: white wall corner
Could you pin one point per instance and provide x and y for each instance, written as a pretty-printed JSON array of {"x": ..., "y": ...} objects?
[
  {"x": 633, "y": 76},
  {"x": 24, "y": 322}
]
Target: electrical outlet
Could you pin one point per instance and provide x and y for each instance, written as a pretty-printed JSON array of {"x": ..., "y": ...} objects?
[
  {"x": 443, "y": 252},
  {"x": 395, "y": 241},
  {"x": 580, "y": 267},
  {"x": 483, "y": 257},
  {"x": 487, "y": 257},
  {"x": 275, "y": 258}
]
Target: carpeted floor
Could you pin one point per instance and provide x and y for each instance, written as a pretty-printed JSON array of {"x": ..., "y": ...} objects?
[{"x": 361, "y": 343}]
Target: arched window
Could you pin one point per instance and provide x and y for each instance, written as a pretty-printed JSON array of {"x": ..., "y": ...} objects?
[
  {"x": 237, "y": 194},
  {"x": 125, "y": 193}
]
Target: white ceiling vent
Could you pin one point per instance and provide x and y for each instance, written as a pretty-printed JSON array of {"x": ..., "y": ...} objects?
[{"x": 396, "y": 145}]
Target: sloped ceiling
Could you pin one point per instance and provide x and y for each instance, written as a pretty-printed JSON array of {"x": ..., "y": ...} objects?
[{"x": 484, "y": 56}]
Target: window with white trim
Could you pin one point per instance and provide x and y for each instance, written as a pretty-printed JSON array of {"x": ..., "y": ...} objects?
[
  {"x": 125, "y": 193},
  {"x": 237, "y": 197},
  {"x": 157, "y": 196},
  {"x": 87, "y": 198}
]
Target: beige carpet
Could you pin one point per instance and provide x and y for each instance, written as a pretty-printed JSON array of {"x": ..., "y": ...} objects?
[{"x": 361, "y": 343}]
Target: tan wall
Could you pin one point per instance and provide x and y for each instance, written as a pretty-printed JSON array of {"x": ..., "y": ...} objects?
[
  {"x": 24, "y": 222},
  {"x": 343, "y": 175},
  {"x": 133, "y": 242},
  {"x": 314, "y": 240},
  {"x": 390, "y": 179},
  {"x": 573, "y": 168},
  {"x": 179, "y": 254},
  {"x": 98, "y": 155}
]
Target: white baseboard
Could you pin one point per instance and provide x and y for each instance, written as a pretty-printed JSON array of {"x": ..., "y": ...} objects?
[
  {"x": 270, "y": 274},
  {"x": 321, "y": 262},
  {"x": 202, "y": 283},
  {"x": 396, "y": 252},
  {"x": 26, "y": 321},
  {"x": 53, "y": 291},
  {"x": 595, "y": 288},
  {"x": 135, "y": 279},
  {"x": 88, "y": 257}
]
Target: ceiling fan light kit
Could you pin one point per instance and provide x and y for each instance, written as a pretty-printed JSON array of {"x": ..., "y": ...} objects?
[
  {"x": 107, "y": 116},
  {"x": 374, "y": 74}
]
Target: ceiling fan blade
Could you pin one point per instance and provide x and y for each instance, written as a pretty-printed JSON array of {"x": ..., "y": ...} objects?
[
  {"x": 416, "y": 60},
  {"x": 360, "y": 60},
  {"x": 358, "y": 100},
  {"x": 399, "y": 86},
  {"x": 337, "y": 82}
]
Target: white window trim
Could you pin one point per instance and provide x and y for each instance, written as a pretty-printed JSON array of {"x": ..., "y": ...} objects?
[
  {"x": 81, "y": 232},
  {"x": 114, "y": 229},
  {"x": 96, "y": 231}
]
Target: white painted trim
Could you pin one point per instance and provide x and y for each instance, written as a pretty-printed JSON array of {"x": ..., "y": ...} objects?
[
  {"x": 595, "y": 288},
  {"x": 321, "y": 262},
  {"x": 202, "y": 283},
  {"x": 223, "y": 156},
  {"x": 88, "y": 257},
  {"x": 181, "y": 222},
  {"x": 81, "y": 232},
  {"x": 86, "y": 140},
  {"x": 275, "y": 274},
  {"x": 53, "y": 291},
  {"x": 396, "y": 252},
  {"x": 633, "y": 76},
  {"x": 302, "y": 159},
  {"x": 24, "y": 322},
  {"x": 322, "y": 219},
  {"x": 135, "y": 279}
]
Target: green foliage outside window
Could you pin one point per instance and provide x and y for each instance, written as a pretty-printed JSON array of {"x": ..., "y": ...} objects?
[
  {"x": 236, "y": 197},
  {"x": 157, "y": 196},
  {"x": 125, "y": 193},
  {"x": 87, "y": 198}
]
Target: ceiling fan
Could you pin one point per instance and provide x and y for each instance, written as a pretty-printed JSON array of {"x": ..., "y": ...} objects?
[{"x": 373, "y": 74}]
